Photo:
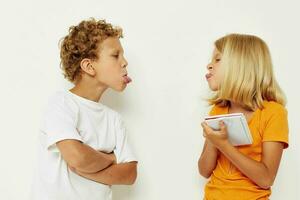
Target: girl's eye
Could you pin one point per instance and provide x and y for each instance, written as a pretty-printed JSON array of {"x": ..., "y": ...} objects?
[{"x": 218, "y": 59}]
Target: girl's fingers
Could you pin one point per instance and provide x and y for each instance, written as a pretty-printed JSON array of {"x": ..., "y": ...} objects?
[
  {"x": 222, "y": 126},
  {"x": 206, "y": 130},
  {"x": 202, "y": 124},
  {"x": 206, "y": 127}
]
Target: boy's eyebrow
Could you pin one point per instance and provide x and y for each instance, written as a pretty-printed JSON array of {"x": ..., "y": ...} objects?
[{"x": 117, "y": 50}]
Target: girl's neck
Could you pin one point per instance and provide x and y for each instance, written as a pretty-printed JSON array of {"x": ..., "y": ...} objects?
[
  {"x": 234, "y": 107},
  {"x": 237, "y": 108}
]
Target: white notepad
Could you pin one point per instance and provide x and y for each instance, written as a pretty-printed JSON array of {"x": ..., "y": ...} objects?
[{"x": 237, "y": 127}]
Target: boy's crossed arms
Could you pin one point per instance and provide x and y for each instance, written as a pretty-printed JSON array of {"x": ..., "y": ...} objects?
[{"x": 95, "y": 165}]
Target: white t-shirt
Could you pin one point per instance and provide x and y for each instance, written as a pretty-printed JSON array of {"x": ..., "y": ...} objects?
[{"x": 68, "y": 116}]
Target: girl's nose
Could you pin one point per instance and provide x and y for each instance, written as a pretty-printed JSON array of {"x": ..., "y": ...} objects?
[{"x": 209, "y": 66}]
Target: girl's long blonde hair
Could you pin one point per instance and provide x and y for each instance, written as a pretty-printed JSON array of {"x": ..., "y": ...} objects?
[{"x": 248, "y": 73}]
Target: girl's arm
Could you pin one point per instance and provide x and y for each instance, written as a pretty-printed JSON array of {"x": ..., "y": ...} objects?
[
  {"x": 262, "y": 173},
  {"x": 208, "y": 159},
  {"x": 116, "y": 174}
]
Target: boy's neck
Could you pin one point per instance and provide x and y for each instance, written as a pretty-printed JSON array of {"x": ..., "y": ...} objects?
[{"x": 90, "y": 91}]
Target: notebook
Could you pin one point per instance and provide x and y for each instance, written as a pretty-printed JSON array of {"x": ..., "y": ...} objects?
[{"x": 237, "y": 127}]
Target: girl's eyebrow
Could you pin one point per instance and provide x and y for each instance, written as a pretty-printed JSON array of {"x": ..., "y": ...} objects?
[{"x": 217, "y": 56}]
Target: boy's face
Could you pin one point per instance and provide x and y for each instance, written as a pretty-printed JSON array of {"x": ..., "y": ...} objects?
[
  {"x": 111, "y": 66},
  {"x": 214, "y": 75}
]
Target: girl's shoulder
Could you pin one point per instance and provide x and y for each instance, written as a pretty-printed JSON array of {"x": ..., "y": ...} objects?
[
  {"x": 272, "y": 107},
  {"x": 218, "y": 109},
  {"x": 273, "y": 110}
]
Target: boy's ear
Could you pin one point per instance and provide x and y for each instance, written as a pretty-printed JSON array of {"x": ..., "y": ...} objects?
[{"x": 87, "y": 67}]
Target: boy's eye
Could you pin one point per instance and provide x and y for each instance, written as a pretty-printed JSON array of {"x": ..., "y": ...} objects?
[{"x": 116, "y": 55}]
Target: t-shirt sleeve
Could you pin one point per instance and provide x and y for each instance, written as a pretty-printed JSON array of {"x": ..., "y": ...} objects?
[
  {"x": 123, "y": 151},
  {"x": 276, "y": 127},
  {"x": 59, "y": 122},
  {"x": 212, "y": 111}
]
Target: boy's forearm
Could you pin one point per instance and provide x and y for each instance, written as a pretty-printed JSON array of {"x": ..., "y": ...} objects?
[
  {"x": 92, "y": 160},
  {"x": 116, "y": 174}
]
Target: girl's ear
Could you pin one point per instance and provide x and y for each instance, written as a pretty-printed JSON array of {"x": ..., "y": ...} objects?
[{"x": 87, "y": 67}]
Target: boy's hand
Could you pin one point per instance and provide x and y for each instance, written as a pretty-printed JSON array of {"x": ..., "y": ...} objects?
[
  {"x": 217, "y": 138},
  {"x": 72, "y": 168},
  {"x": 113, "y": 157}
]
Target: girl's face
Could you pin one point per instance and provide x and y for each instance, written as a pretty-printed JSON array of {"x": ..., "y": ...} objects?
[
  {"x": 214, "y": 75},
  {"x": 111, "y": 66}
]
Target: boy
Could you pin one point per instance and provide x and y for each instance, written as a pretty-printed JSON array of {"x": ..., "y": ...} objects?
[{"x": 83, "y": 148}]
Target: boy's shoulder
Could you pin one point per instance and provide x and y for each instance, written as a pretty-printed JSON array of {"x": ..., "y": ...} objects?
[
  {"x": 61, "y": 99},
  {"x": 66, "y": 101},
  {"x": 57, "y": 96}
]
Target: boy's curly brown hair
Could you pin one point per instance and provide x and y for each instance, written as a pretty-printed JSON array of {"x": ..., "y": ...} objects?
[{"x": 83, "y": 41}]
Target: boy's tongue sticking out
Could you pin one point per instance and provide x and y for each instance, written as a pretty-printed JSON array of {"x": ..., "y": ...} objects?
[{"x": 127, "y": 79}]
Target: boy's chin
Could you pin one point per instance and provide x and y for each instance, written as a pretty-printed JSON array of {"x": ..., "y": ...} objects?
[{"x": 120, "y": 88}]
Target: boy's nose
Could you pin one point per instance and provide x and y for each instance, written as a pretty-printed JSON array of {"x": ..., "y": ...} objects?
[{"x": 125, "y": 63}]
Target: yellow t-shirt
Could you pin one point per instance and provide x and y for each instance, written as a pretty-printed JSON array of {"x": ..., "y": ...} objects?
[{"x": 227, "y": 182}]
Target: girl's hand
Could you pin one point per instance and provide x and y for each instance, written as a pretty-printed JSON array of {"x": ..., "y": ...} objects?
[{"x": 217, "y": 138}]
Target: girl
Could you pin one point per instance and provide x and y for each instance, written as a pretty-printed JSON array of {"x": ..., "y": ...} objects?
[{"x": 241, "y": 74}]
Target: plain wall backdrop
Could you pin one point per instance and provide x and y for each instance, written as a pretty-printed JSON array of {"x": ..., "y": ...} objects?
[{"x": 168, "y": 45}]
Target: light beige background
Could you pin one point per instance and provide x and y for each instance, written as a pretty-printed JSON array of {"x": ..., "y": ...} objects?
[{"x": 168, "y": 44}]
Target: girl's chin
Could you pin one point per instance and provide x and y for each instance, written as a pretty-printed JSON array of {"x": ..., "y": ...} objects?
[{"x": 212, "y": 87}]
